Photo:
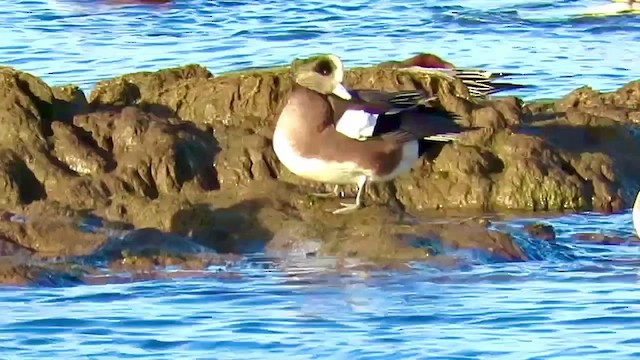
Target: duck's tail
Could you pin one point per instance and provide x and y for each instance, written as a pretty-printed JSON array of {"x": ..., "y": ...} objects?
[{"x": 480, "y": 82}]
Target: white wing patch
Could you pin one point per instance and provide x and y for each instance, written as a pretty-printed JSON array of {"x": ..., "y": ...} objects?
[{"x": 357, "y": 124}]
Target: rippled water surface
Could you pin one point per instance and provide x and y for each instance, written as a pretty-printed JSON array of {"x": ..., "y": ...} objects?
[
  {"x": 79, "y": 41},
  {"x": 571, "y": 301}
]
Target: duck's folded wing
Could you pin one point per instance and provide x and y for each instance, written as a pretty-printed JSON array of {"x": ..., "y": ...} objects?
[
  {"x": 390, "y": 102},
  {"x": 435, "y": 125}
]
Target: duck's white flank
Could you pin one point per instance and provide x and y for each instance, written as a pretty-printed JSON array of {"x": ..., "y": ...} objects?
[
  {"x": 313, "y": 169},
  {"x": 635, "y": 214},
  {"x": 334, "y": 172}
]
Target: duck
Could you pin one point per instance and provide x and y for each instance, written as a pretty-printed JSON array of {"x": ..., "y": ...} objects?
[
  {"x": 359, "y": 123},
  {"x": 307, "y": 139}
]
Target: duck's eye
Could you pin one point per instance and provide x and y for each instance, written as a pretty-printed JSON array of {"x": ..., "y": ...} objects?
[{"x": 324, "y": 68}]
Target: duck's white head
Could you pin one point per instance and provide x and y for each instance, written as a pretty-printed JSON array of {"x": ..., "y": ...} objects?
[{"x": 321, "y": 73}]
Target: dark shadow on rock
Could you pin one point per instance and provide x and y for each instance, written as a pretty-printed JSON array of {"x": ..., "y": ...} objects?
[
  {"x": 235, "y": 229},
  {"x": 540, "y": 117},
  {"x": 204, "y": 152},
  {"x": 29, "y": 188},
  {"x": 45, "y": 108},
  {"x": 124, "y": 93}
]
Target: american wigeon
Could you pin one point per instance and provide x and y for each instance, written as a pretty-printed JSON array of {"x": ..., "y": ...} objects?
[{"x": 307, "y": 142}]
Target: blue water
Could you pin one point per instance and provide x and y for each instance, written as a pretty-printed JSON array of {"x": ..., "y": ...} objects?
[
  {"x": 572, "y": 300},
  {"x": 78, "y": 41}
]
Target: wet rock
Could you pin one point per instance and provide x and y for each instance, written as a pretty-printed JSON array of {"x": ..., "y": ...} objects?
[
  {"x": 151, "y": 89},
  {"x": 243, "y": 106},
  {"x": 539, "y": 231},
  {"x": 26, "y": 108},
  {"x": 18, "y": 185},
  {"x": 470, "y": 235},
  {"x": 69, "y": 100},
  {"x": 16, "y": 272},
  {"x": 147, "y": 242},
  {"x": 51, "y": 238},
  {"x": 29, "y": 171},
  {"x": 148, "y": 250},
  {"x": 183, "y": 151},
  {"x": 154, "y": 155},
  {"x": 602, "y": 239},
  {"x": 77, "y": 155},
  {"x": 293, "y": 241},
  {"x": 10, "y": 248},
  {"x": 616, "y": 105},
  {"x": 535, "y": 176}
]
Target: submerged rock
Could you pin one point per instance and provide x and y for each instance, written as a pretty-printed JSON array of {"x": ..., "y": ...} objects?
[
  {"x": 17, "y": 271},
  {"x": 541, "y": 231},
  {"x": 183, "y": 151}
]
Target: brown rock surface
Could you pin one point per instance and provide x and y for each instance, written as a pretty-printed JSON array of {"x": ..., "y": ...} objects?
[{"x": 187, "y": 152}]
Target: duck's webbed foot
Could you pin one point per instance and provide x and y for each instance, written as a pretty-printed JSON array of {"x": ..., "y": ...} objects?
[{"x": 348, "y": 208}]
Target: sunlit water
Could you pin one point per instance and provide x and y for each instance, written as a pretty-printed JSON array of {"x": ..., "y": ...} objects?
[
  {"x": 571, "y": 301},
  {"x": 78, "y": 41}
]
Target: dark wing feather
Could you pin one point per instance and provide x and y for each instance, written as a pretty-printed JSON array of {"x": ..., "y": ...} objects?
[
  {"x": 429, "y": 124},
  {"x": 398, "y": 100}
]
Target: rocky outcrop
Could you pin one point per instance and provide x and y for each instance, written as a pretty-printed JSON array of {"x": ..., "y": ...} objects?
[{"x": 188, "y": 153}]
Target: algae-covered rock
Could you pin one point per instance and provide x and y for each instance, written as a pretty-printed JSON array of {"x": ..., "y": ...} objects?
[
  {"x": 186, "y": 152},
  {"x": 18, "y": 272},
  {"x": 18, "y": 185},
  {"x": 240, "y": 109},
  {"x": 81, "y": 157},
  {"x": 52, "y": 238}
]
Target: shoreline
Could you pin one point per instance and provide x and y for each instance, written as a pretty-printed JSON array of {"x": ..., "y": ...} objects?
[{"x": 182, "y": 159}]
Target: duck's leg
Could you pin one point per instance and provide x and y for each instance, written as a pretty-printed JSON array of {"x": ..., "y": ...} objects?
[
  {"x": 347, "y": 208},
  {"x": 334, "y": 193}
]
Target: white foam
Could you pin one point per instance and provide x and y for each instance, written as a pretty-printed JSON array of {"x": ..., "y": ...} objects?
[
  {"x": 636, "y": 214},
  {"x": 613, "y": 8}
]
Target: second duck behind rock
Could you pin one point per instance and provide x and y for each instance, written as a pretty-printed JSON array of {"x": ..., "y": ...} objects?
[{"x": 308, "y": 143}]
